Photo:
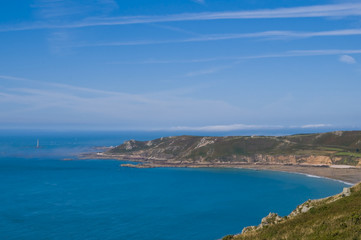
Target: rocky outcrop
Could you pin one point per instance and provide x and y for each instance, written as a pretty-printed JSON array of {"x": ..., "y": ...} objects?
[
  {"x": 346, "y": 192},
  {"x": 270, "y": 219},
  {"x": 204, "y": 142}
]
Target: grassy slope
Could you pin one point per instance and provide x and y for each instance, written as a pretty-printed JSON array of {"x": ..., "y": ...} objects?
[
  {"x": 346, "y": 145},
  {"x": 340, "y": 219}
]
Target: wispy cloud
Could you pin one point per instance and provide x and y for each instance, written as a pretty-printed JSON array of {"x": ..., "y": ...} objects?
[
  {"x": 157, "y": 61},
  {"x": 42, "y": 102},
  {"x": 4, "y": 77},
  {"x": 271, "y": 35},
  {"x": 332, "y": 10},
  {"x": 49, "y": 9},
  {"x": 324, "y": 52},
  {"x": 287, "y": 54},
  {"x": 108, "y": 5},
  {"x": 209, "y": 70},
  {"x": 55, "y": 9},
  {"x": 174, "y": 29},
  {"x": 29, "y": 101},
  {"x": 347, "y": 59},
  {"x": 237, "y": 59},
  {"x": 61, "y": 86},
  {"x": 58, "y": 42}
]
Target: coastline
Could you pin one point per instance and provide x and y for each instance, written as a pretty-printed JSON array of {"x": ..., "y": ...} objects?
[
  {"x": 348, "y": 175},
  {"x": 315, "y": 176}
]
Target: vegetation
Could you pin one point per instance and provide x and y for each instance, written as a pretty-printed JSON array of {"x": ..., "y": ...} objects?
[
  {"x": 340, "y": 147},
  {"x": 337, "y": 217},
  {"x": 352, "y": 154}
]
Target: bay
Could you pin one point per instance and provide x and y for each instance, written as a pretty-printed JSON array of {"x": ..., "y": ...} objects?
[{"x": 45, "y": 197}]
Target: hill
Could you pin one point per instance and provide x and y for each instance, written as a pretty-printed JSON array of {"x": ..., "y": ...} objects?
[
  {"x": 334, "y": 155},
  {"x": 339, "y": 148},
  {"x": 336, "y": 217}
]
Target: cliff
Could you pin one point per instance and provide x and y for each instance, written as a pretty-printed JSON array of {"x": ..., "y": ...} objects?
[{"x": 336, "y": 217}]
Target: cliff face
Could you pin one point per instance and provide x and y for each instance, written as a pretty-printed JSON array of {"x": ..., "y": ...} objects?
[
  {"x": 336, "y": 217},
  {"x": 339, "y": 148}
]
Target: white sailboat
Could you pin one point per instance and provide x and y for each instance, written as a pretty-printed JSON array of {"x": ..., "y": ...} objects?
[{"x": 37, "y": 144}]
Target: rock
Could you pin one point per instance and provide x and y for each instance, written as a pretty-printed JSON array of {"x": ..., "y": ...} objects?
[
  {"x": 346, "y": 192},
  {"x": 129, "y": 165},
  {"x": 338, "y": 133},
  {"x": 203, "y": 142},
  {"x": 249, "y": 229},
  {"x": 305, "y": 209},
  {"x": 272, "y": 218},
  {"x": 129, "y": 144}
]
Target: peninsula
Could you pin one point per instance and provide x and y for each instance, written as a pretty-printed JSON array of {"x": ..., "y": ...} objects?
[{"x": 334, "y": 155}]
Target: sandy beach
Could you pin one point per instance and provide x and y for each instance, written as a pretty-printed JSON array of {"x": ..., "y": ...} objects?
[{"x": 345, "y": 173}]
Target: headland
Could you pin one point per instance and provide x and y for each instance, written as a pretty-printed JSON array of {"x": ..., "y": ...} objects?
[{"x": 334, "y": 155}]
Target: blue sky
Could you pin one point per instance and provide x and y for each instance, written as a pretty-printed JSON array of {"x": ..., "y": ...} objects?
[{"x": 180, "y": 64}]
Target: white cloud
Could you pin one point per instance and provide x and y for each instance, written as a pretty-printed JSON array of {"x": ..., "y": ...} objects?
[
  {"x": 347, "y": 59},
  {"x": 332, "y": 10},
  {"x": 225, "y": 128},
  {"x": 322, "y": 125},
  {"x": 235, "y": 127}
]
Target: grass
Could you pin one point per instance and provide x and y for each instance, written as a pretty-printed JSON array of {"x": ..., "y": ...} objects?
[
  {"x": 344, "y": 146},
  {"x": 338, "y": 220},
  {"x": 331, "y": 149},
  {"x": 351, "y": 154}
]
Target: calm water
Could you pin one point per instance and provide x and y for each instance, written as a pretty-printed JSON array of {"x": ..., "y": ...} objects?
[{"x": 44, "y": 197}]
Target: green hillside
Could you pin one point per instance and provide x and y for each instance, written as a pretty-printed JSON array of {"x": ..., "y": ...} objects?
[
  {"x": 337, "y": 217},
  {"x": 341, "y": 147}
]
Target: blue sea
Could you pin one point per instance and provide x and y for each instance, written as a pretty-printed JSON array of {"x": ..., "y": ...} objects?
[{"x": 44, "y": 197}]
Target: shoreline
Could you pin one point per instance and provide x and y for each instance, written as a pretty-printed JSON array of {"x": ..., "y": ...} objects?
[
  {"x": 347, "y": 175},
  {"x": 315, "y": 176}
]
